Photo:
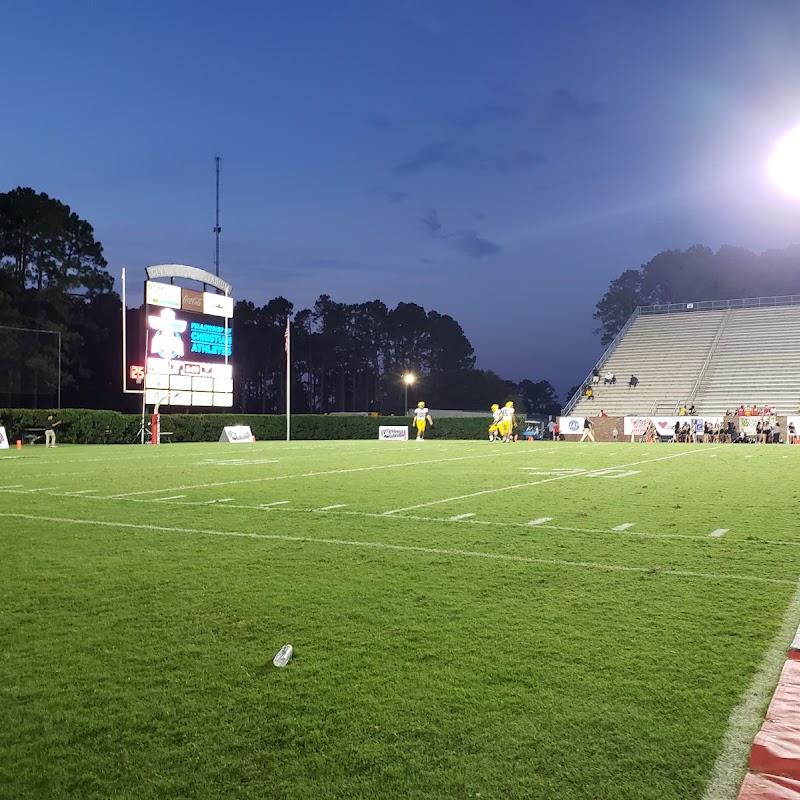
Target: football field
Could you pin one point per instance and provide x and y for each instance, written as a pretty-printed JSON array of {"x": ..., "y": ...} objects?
[{"x": 531, "y": 620}]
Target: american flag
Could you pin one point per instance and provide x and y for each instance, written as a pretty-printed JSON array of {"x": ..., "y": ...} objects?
[{"x": 286, "y": 337}]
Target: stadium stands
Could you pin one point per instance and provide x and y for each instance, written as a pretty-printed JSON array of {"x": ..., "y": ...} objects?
[{"x": 714, "y": 359}]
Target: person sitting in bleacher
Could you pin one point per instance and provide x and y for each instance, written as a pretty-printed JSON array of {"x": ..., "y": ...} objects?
[
  {"x": 595, "y": 376},
  {"x": 589, "y": 393},
  {"x": 633, "y": 382},
  {"x": 610, "y": 378}
]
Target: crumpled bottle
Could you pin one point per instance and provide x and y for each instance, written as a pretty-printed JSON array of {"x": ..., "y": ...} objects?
[{"x": 283, "y": 656}]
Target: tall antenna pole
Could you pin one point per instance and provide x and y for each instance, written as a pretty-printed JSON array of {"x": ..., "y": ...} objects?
[{"x": 217, "y": 229}]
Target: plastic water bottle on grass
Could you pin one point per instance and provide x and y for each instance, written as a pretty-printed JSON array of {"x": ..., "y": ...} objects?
[{"x": 283, "y": 656}]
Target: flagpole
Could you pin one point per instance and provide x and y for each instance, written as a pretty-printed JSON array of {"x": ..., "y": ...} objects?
[{"x": 288, "y": 348}]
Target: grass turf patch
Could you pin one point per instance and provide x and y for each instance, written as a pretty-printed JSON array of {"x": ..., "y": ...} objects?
[{"x": 583, "y": 662}]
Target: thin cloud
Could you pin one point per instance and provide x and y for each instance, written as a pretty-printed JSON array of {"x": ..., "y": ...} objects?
[
  {"x": 521, "y": 159},
  {"x": 379, "y": 120},
  {"x": 487, "y": 112},
  {"x": 467, "y": 241},
  {"x": 447, "y": 153},
  {"x": 562, "y": 104}
]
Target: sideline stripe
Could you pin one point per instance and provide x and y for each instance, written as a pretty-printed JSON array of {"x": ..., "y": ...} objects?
[
  {"x": 438, "y": 551},
  {"x": 589, "y": 474},
  {"x": 718, "y": 533},
  {"x": 624, "y": 526},
  {"x": 745, "y": 720},
  {"x": 539, "y": 521}
]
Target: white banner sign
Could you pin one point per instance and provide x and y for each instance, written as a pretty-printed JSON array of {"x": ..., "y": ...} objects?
[
  {"x": 637, "y": 426},
  {"x": 393, "y": 433},
  {"x": 162, "y": 294},
  {"x": 568, "y": 425},
  {"x": 3, "y": 439},
  {"x": 236, "y": 434}
]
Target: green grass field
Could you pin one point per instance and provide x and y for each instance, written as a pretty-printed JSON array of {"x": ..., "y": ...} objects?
[{"x": 547, "y": 620}]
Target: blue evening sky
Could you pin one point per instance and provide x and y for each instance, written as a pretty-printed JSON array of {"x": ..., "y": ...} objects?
[{"x": 497, "y": 161}]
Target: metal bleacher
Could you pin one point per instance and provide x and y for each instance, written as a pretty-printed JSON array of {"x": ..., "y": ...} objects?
[{"x": 713, "y": 355}]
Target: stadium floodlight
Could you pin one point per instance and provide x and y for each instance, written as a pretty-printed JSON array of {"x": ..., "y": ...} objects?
[
  {"x": 784, "y": 163},
  {"x": 408, "y": 379}
]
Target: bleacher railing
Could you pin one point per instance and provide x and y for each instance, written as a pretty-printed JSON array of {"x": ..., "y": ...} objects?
[
  {"x": 573, "y": 401},
  {"x": 722, "y": 305}
]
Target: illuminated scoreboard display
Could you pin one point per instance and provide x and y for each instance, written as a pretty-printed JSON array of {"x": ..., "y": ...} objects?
[{"x": 189, "y": 339}]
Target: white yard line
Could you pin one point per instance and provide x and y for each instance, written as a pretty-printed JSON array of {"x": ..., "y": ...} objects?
[
  {"x": 172, "y": 497},
  {"x": 536, "y": 483},
  {"x": 457, "y": 517},
  {"x": 14, "y": 486},
  {"x": 221, "y": 500},
  {"x": 435, "y": 551},
  {"x": 539, "y": 521},
  {"x": 330, "y": 508},
  {"x": 79, "y": 492},
  {"x": 718, "y": 533},
  {"x": 745, "y": 720},
  {"x": 269, "y": 505},
  {"x": 320, "y": 473},
  {"x": 624, "y": 526}
]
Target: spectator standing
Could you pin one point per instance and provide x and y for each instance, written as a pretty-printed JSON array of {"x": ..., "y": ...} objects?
[{"x": 49, "y": 432}]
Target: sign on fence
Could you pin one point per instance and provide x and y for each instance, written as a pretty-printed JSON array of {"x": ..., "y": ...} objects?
[
  {"x": 236, "y": 434},
  {"x": 393, "y": 433}
]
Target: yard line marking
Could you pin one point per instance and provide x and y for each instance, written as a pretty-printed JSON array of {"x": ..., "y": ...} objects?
[
  {"x": 14, "y": 486},
  {"x": 534, "y": 483},
  {"x": 718, "y": 533},
  {"x": 330, "y": 508},
  {"x": 303, "y": 475},
  {"x": 269, "y": 505},
  {"x": 80, "y": 491},
  {"x": 746, "y": 718},
  {"x": 436, "y": 551},
  {"x": 40, "y": 489},
  {"x": 211, "y": 502},
  {"x": 624, "y": 526},
  {"x": 172, "y": 497},
  {"x": 539, "y": 521},
  {"x": 461, "y": 516}
]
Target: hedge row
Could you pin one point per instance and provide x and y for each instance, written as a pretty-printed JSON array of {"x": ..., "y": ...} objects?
[{"x": 85, "y": 426}]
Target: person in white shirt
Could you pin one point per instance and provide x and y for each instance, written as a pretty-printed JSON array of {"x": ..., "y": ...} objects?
[{"x": 421, "y": 418}]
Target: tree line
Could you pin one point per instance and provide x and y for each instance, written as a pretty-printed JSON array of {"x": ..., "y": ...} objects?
[{"x": 345, "y": 357}]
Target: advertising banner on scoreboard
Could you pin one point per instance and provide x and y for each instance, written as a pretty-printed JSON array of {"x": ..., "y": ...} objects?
[{"x": 189, "y": 352}]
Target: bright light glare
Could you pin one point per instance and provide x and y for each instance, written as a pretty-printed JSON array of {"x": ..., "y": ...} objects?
[
  {"x": 784, "y": 163},
  {"x": 408, "y": 378}
]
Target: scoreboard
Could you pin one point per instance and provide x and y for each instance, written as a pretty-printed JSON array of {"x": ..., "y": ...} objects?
[{"x": 189, "y": 338}]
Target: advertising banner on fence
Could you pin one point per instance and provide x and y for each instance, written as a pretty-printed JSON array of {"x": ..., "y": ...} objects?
[
  {"x": 570, "y": 425},
  {"x": 393, "y": 433},
  {"x": 236, "y": 434},
  {"x": 3, "y": 439},
  {"x": 636, "y": 426}
]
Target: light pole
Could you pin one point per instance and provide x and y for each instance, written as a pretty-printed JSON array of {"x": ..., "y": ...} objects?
[{"x": 408, "y": 379}]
